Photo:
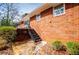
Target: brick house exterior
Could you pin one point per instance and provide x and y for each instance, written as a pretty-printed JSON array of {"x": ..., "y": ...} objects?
[{"x": 64, "y": 27}]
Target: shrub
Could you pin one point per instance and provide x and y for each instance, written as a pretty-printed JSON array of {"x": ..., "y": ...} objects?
[
  {"x": 57, "y": 45},
  {"x": 73, "y": 48},
  {"x": 8, "y": 34}
]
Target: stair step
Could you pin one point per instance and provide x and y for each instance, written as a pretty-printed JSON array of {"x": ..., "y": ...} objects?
[{"x": 35, "y": 35}]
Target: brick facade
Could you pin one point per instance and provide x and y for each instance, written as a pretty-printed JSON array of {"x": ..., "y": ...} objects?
[{"x": 64, "y": 27}]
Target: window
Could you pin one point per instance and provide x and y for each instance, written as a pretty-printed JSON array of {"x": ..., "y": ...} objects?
[
  {"x": 38, "y": 17},
  {"x": 59, "y": 10}
]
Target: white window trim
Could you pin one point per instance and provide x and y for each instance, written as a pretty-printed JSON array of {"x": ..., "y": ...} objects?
[
  {"x": 61, "y": 13},
  {"x": 38, "y": 19}
]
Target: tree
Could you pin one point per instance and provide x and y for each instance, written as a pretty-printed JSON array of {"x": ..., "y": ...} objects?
[{"x": 8, "y": 12}]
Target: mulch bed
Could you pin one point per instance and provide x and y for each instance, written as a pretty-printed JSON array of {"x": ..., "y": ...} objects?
[{"x": 54, "y": 52}]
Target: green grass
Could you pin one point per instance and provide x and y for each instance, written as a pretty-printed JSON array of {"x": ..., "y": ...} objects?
[{"x": 3, "y": 28}]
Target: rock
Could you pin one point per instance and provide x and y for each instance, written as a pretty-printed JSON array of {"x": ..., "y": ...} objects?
[{"x": 43, "y": 49}]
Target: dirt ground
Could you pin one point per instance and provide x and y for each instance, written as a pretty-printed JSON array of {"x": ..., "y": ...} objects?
[
  {"x": 23, "y": 48},
  {"x": 28, "y": 47}
]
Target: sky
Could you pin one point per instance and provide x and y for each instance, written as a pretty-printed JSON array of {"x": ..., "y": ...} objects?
[{"x": 27, "y": 7}]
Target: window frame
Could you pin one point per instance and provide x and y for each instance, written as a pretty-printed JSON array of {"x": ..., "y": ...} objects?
[
  {"x": 39, "y": 16},
  {"x": 60, "y": 13}
]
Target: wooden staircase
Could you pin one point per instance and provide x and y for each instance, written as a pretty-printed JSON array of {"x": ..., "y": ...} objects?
[
  {"x": 34, "y": 35},
  {"x": 25, "y": 33}
]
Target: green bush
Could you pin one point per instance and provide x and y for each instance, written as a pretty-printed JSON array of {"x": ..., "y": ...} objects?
[
  {"x": 57, "y": 45},
  {"x": 7, "y": 34},
  {"x": 73, "y": 48}
]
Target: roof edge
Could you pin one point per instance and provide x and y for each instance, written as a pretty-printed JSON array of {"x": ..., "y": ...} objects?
[{"x": 42, "y": 8}]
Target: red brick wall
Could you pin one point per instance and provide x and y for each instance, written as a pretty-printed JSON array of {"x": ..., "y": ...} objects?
[{"x": 64, "y": 27}]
